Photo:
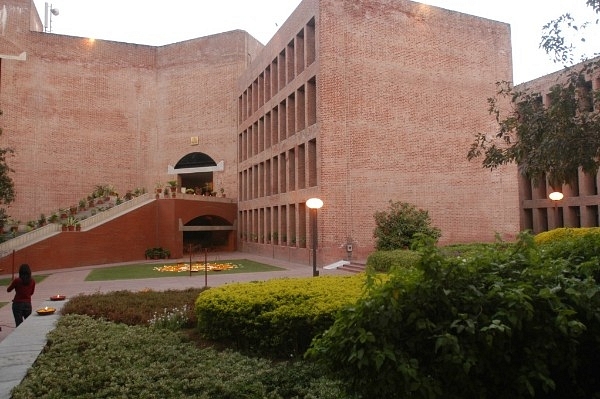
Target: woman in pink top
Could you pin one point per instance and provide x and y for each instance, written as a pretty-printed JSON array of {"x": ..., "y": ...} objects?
[{"x": 24, "y": 287}]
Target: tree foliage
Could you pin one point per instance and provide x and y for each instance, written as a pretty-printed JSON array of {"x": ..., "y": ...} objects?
[
  {"x": 557, "y": 34},
  {"x": 397, "y": 227},
  {"x": 555, "y": 139}
]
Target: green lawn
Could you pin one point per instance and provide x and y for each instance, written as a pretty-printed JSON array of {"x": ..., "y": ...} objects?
[
  {"x": 146, "y": 270},
  {"x": 6, "y": 281}
]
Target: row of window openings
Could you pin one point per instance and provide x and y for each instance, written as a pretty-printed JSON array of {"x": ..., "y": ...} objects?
[
  {"x": 285, "y": 225},
  {"x": 543, "y": 219},
  {"x": 295, "y": 169},
  {"x": 584, "y": 185},
  {"x": 291, "y": 61},
  {"x": 289, "y": 117},
  {"x": 585, "y": 96}
]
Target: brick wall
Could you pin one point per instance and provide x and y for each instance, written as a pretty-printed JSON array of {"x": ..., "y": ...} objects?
[
  {"x": 121, "y": 240},
  {"x": 82, "y": 112},
  {"x": 402, "y": 90}
]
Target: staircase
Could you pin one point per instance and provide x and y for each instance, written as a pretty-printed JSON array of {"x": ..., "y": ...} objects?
[{"x": 354, "y": 267}]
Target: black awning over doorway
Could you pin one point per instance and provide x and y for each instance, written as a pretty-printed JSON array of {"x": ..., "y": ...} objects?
[{"x": 195, "y": 160}]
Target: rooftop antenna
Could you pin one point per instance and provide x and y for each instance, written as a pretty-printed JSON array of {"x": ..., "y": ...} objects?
[{"x": 49, "y": 12}]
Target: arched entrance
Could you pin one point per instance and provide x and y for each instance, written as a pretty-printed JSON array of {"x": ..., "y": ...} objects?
[
  {"x": 195, "y": 171},
  {"x": 208, "y": 231}
]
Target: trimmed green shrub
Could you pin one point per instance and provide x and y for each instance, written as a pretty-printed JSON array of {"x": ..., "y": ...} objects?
[
  {"x": 564, "y": 233},
  {"x": 278, "y": 317},
  {"x": 384, "y": 261},
  {"x": 136, "y": 308},
  {"x": 579, "y": 246},
  {"x": 398, "y": 227},
  {"x": 510, "y": 323}
]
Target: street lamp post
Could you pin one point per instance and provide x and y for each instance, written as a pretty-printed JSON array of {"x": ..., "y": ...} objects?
[
  {"x": 314, "y": 204},
  {"x": 555, "y": 196}
]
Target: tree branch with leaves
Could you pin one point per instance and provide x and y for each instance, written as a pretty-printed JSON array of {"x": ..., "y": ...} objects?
[{"x": 553, "y": 140}]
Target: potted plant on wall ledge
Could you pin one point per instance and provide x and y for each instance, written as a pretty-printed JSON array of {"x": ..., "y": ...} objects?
[
  {"x": 173, "y": 187},
  {"x": 42, "y": 220},
  {"x": 53, "y": 218}
]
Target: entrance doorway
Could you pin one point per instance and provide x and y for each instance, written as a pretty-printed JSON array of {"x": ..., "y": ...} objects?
[
  {"x": 195, "y": 171},
  {"x": 208, "y": 232}
]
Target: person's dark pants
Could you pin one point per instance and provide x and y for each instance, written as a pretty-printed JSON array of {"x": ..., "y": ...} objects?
[{"x": 21, "y": 310}]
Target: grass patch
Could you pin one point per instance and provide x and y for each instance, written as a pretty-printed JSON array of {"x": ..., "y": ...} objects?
[
  {"x": 38, "y": 278},
  {"x": 147, "y": 270}
]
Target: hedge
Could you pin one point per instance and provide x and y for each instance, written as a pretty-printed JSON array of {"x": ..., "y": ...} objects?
[{"x": 280, "y": 316}]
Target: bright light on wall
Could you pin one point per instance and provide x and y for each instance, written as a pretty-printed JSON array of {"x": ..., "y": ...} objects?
[{"x": 556, "y": 196}]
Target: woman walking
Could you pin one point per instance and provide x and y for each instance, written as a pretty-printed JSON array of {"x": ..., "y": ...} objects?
[{"x": 24, "y": 287}]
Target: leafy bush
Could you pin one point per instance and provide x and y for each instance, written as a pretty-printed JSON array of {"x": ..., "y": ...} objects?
[
  {"x": 511, "y": 323},
  {"x": 157, "y": 253},
  {"x": 384, "y": 261},
  {"x": 397, "y": 227},
  {"x": 473, "y": 249},
  {"x": 88, "y": 358},
  {"x": 278, "y": 317}
]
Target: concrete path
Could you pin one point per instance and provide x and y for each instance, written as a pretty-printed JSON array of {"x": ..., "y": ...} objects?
[{"x": 19, "y": 347}]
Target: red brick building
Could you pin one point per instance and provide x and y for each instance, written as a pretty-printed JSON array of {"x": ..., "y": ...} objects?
[
  {"x": 581, "y": 198},
  {"x": 357, "y": 103}
]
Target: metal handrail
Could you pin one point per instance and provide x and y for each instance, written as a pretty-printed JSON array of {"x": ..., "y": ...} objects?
[{"x": 111, "y": 213}]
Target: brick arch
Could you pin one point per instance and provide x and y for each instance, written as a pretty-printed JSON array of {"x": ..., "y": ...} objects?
[
  {"x": 195, "y": 171},
  {"x": 195, "y": 160}
]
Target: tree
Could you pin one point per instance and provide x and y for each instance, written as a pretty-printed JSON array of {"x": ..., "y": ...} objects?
[
  {"x": 555, "y": 140},
  {"x": 7, "y": 190}
]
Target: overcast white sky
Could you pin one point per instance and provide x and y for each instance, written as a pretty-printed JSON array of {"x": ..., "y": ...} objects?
[{"x": 156, "y": 23}]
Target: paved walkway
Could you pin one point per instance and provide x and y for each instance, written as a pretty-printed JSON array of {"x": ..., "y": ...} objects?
[{"x": 19, "y": 347}]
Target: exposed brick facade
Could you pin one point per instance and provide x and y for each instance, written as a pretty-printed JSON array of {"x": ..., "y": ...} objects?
[
  {"x": 376, "y": 100},
  {"x": 401, "y": 90},
  {"x": 579, "y": 207}
]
